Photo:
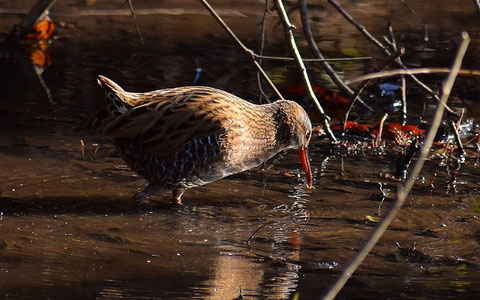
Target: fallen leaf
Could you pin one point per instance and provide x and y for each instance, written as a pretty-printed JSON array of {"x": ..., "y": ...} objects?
[
  {"x": 371, "y": 219},
  {"x": 42, "y": 31}
]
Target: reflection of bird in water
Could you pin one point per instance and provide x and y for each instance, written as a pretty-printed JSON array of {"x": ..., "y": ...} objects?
[{"x": 185, "y": 137}]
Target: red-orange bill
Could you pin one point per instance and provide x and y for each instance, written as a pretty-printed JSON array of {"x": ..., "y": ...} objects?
[{"x": 302, "y": 154}]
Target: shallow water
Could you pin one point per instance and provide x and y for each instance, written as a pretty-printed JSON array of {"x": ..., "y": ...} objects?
[{"x": 69, "y": 230}]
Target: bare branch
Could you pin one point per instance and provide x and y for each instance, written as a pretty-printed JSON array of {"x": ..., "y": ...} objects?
[
  {"x": 404, "y": 190},
  {"x": 378, "y": 139},
  {"x": 258, "y": 229},
  {"x": 409, "y": 9},
  {"x": 458, "y": 141},
  {"x": 312, "y": 59},
  {"x": 262, "y": 46},
  {"x": 398, "y": 72},
  {"x": 364, "y": 84},
  {"x": 134, "y": 17},
  {"x": 33, "y": 16},
  {"x": 386, "y": 51},
  {"x": 359, "y": 27},
  {"x": 316, "y": 52},
  {"x": 247, "y": 51},
  {"x": 287, "y": 26},
  {"x": 403, "y": 116},
  {"x": 477, "y": 4}
]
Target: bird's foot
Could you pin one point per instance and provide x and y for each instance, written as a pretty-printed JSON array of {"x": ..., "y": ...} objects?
[{"x": 177, "y": 195}]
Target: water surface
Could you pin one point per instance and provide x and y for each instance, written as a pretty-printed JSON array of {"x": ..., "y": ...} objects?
[{"x": 68, "y": 228}]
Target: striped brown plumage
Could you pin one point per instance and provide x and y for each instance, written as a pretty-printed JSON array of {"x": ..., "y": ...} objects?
[{"x": 184, "y": 137}]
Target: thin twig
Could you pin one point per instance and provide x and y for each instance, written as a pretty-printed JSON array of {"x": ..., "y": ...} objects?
[
  {"x": 258, "y": 229},
  {"x": 82, "y": 149},
  {"x": 477, "y": 4},
  {"x": 458, "y": 141},
  {"x": 307, "y": 31},
  {"x": 287, "y": 26},
  {"x": 388, "y": 42},
  {"x": 95, "y": 151},
  {"x": 468, "y": 142},
  {"x": 134, "y": 17},
  {"x": 403, "y": 116},
  {"x": 387, "y": 52},
  {"x": 33, "y": 16},
  {"x": 459, "y": 122},
  {"x": 38, "y": 71},
  {"x": 262, "y": 46},
  {"x": 409, "y": 9},
  {"x": 359, "y": 26},
  {"x": 260, "y": 56},
  {"x": 403, "y": 191},
  {"x": 378, "y": 139},
  {"x": 364, "y": 84},
  {"x": 397, "y": 72},
  {"x": 403, "y": 163},
  {"x": 392, "y": 43},
  {"x": 392, "y": 36},
  {"x": 313, "y": 59},
  {"x": 247, "y": 51}
]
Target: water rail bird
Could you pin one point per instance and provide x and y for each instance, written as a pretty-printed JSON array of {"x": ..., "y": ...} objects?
[{"x": 184, "y": 137}]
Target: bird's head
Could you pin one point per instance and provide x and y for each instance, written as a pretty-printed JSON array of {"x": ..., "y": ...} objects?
[{"x": 295, "y": 129}]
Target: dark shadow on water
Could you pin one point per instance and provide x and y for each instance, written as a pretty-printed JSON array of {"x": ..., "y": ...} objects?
[{"x": 80, "y": 206}]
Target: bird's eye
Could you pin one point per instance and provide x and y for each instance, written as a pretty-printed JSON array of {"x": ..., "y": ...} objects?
[{"x": 307, "y": 135}]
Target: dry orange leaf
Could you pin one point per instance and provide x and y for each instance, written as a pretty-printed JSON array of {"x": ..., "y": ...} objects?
[
  {"x": 36, "y": 41},
  {"x": 42, "y": 31},
  {"x": 40, "y": 57},
  {"x": 393, "y": 130},
  {"x": 321, "y": 92},
  {"x": 352, "y": 127},
  {"x": 333, "y": 103}
]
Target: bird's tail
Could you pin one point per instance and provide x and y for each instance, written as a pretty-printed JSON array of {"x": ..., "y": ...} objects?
[{"x": 115, "y": 96}]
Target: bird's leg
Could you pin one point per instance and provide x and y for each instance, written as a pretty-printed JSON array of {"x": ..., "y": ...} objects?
[
  {"x": 177, "y": 195},
  {"x": 150, "y": 190}
]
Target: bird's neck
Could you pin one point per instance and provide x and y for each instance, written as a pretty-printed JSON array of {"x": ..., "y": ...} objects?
[{"x": 280, "y": 130}]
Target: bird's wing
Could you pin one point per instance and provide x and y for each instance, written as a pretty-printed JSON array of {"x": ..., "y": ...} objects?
[{"x": 169, "y": 119}]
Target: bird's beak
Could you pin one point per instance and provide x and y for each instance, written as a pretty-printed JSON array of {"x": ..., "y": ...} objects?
[{"x": 302, "y": 154}]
